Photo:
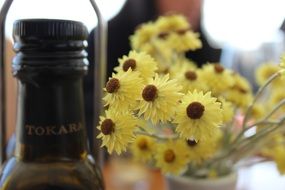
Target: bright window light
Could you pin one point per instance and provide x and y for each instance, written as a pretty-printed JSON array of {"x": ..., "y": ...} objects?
[
  {"x": 80, "y": 10},
  {"x": 242, "y": 23}
]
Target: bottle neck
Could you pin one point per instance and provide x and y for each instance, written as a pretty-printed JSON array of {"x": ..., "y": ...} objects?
[{"x": 50, "y": 118}]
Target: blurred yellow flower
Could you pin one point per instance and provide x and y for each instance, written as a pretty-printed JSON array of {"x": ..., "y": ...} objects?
[
  {"x": 217, "y": 78},
  {"x": 143, "y": 148},
  {"x": 123, "y": 90},
  {"x": 275, "y": 97},
  {"x": 228, "y": 109},
  {"x": 198, "y": 116},
  {"x": 258, "y": 111},
  {"x": 183, "y": 41},
  {"x": 240, "y": 93},
  {"x": 171, "y": 23},
  {"x": 200, "y": 150},
  {"x": 191, "y": 80},
  {"x": 278, "y": 154},
  {"x": 116, "y": 130},
  {"x": 159, "y": 99},
  {"x": 181, "y": 66},
  {"x": 140, "y": 62},
  {"x": 171, "y": 157},
  {"x": 267, "y": 70},
  {"x": 143, "y": 36}
]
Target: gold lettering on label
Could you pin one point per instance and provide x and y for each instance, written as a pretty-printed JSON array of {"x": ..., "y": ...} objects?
[
  {"x": 40, "y": 131},
  {"x": 80, "y": 126},
  {"x": 62, "y": 130},
  {"x": 30, "y": 129},
  {"x": 73, "y": 127},
  {"x": 50, "y": 130}
]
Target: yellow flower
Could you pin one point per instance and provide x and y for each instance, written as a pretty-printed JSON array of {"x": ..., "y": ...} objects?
[
  {"x": 217, "y": 78},
  {"x": 228, "y": 109},
  {"x": 159, "y": 99},
  {"x": 181, "y": 66},
  {"x": 183, "y": 41},
  {"x": 198, "y": 116},
  {"x": 163, "y": 53},
  {"x": 267, "y": 70},
  {"x": 123, "y": 89},
  {"x": 258, "y": 111},
  {"x": 143, "y": 148},
  {"x": 172, "y": 23},
  {"x": 116, "y": 130},
  {"x": 275, "y": 97},
  {"x": 271, "y": 141},
  {"x": 171, "y": 157},
  {"x": 240, "y": 93},
  {"x": 143, "y": 36},
  {"x": 191, "y": 80},
  {"x": 279, "y": 157},
  {"x": 198, "y": 151},
  {"x": 140, "y": 62}
]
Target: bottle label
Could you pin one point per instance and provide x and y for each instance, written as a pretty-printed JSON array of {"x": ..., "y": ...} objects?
[
  {"x": 53, "y": 130},
  {"x": 52, "y": 134}
]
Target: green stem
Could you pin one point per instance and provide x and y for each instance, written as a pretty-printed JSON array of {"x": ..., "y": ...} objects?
[
  {"x": 249, "y": 110},
  {"x": 258, "y": 94},
  {"x": 235, "y": 148},
  {"x": 263, "y": 121}
]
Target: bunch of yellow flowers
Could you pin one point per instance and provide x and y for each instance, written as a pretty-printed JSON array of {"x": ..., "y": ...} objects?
[{"x": 170, "y": 113}]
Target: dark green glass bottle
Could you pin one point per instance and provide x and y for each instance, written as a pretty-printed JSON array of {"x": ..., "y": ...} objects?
[{"x": 51, "y": 148}]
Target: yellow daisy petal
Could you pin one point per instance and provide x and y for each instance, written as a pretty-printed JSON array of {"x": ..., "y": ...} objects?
[
  {"x": 123, "y": 89},
  {"x": 116, "y": 131},
  {"x": 228, "y": 109},
  {"x": 159, "y": 99},
  {"x": 279, "y": 157},
  {"x": 140, "y": 62},
  {"x": 184, "y": 41},
  {"x": 258, "y": 111},
  {"x": 182, "y": 65},
  {"x": 142, "y": 36},
  {"x": 143, "y": 148},
  {"x": 267, "y": 70},
  {"x": 171, "y": 157},
  {"x": 191, "y": 80},
  {"x": 199, "y": 151},
  {"x": 172, "y": 23},
  {"x": 198, "y": 116},
  {"x": 240, "y": 93},
  {"x": 217, "y": 78}
]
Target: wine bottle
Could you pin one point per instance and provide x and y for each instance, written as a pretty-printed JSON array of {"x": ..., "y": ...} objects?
[{"x": 51, "y": 148}]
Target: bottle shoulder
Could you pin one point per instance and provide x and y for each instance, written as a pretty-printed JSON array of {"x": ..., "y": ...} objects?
[{"x": 62, "y": 175}]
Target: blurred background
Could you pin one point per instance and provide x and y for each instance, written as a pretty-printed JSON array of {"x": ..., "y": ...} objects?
[{"x": 241, "y": 34}]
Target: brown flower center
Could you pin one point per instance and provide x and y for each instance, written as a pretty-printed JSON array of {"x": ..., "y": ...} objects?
[
  {"x": 195, "y": 110},
  {"x": 107, "y": 127},
  {"x": 142, "y": 144},
  {"x": 182, "y": 31},
  {"x": 113, "y": 85},
  {"x": 192, "y": 142},
  {"x": 130, "y": 63},
  {"x": 149, "y": 93},
  {"x": 240, "y": 89},
  {"x": 169, "y": 156},
  {"x": 190, "y": 75},
  {"x": 163, "y": 35},
  {"x": 219, "y": 68}
]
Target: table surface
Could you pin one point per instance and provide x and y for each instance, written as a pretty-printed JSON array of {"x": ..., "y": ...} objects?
[{"x": 125, "y": 175}]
